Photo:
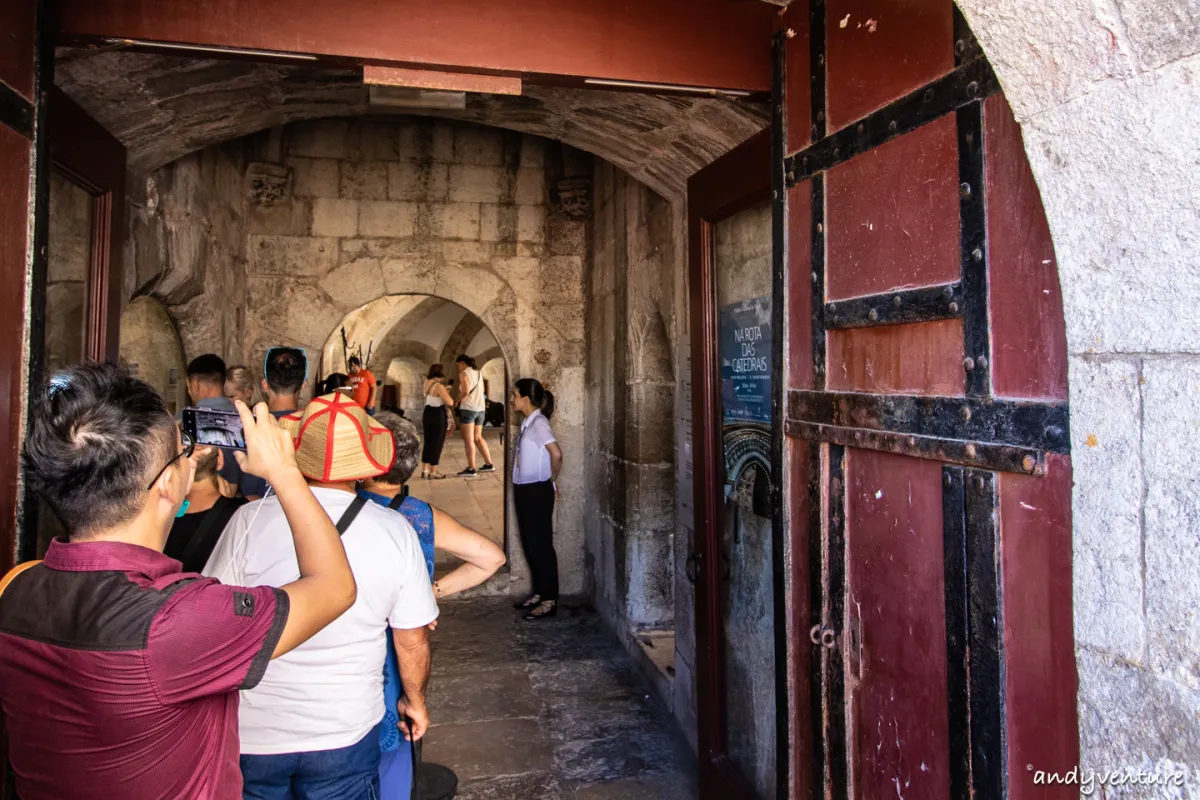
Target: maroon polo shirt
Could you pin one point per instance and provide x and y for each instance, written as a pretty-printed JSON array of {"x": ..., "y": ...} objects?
[{"x": 119, "y": 674}]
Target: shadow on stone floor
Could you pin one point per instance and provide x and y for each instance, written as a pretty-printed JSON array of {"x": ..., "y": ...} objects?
[{"x": 553, "y": 710}]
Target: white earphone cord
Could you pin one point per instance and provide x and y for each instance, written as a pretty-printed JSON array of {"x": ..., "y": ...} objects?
[{"x": 242, "y": 539}]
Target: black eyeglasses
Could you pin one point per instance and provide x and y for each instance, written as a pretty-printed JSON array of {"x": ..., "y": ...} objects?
[{"x": 189, "y": 447}]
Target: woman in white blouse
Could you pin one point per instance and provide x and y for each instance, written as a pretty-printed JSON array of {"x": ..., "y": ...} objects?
[{"x": 537, "y": 460}]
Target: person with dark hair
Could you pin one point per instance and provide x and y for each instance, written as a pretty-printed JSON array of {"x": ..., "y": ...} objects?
[
  {"x": 363, "y": 386},
  {"x": 472, "y": 408},
  {"x": 435, "y": 529},
  {"x": 206, "y": 382},
  {"x": 334, "y": 382},
  {"x": 209, "y": 506},
  {"x": 206, "y": 377},
  {"x": 119, "y": 674},
  {"x": 537, "y": 460},
  {"x": 436, "y": 421},
  {"x": 285, "y": 371}
]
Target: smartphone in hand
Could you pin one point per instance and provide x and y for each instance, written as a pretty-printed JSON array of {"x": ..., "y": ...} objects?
[{"x": 211, "y": 428}]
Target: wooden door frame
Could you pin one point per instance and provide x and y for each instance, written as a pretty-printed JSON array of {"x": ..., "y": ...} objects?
[
  {"x": 733, "y": 183},
  {"x": 93, "y": 159}
]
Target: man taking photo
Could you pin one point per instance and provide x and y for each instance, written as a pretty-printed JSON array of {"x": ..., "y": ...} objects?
[{"x": 119, "y": 675}]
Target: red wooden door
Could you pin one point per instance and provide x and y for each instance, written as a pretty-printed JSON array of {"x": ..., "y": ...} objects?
[
  {"x": 25, "y": 61},
  {"x": 926, "y": 470}
]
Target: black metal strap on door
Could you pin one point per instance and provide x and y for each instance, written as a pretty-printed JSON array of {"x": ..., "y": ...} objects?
[
  {"x": 16, "y": 112},
  {"x": 974, "y": 634},
  {"x": 1000, "y": 435},
  {"x": 784, "y": 688}
]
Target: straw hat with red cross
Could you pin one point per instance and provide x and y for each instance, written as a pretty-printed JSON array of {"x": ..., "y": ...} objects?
[{"x": 336, "y": 440}]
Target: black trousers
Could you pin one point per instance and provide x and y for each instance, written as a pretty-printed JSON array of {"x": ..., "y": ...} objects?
[
  {"x": 433, "y": 420},
  {"x": 535, "y": 517}
]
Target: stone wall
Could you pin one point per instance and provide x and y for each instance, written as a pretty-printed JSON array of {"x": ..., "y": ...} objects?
[
  {"x": 634, "y": 305},
  {"x": 151, "y": 350},
  {"x": 187, "y": 247},
  {"x": 1108, "y": 95},
  {"x": 280, "y": 237},
  {"x": 68, "y": 261}
]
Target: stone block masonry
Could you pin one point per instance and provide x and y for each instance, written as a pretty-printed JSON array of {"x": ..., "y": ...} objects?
[
  {"x": 637, "y": 313},
  {"x": 373, "y": 208}
]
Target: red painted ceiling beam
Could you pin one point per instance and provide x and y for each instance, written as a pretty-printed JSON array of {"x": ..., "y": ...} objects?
[{"x": 709, "y": 43}]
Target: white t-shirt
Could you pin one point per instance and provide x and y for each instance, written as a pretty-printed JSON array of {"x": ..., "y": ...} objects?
[
  {"x": 532, "y": 461},
  {"x": 474, "y": 400},
  {"x": 328, "y": 692}
]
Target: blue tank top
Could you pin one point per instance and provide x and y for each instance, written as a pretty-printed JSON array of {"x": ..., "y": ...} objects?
[{"x": 420, "y": 515}]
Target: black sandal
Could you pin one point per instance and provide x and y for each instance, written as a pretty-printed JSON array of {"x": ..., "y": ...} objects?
[
  {"x": 539, "y": 611},
  {"x": 528, "y": 602}
]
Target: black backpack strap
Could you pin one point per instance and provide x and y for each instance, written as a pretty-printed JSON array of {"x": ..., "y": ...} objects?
[
  {"x": 347, "y": 518},
  {"x": 398, "y": 500}
]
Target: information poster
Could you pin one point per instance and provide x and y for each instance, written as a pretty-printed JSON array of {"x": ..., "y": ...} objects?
[{"x": 746, "y": 360}]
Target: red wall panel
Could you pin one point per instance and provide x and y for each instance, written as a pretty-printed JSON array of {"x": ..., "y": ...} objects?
[
  {"x": 796, "y": 452},
  {"x": 17, "y": 28},
  {"x": 1039, "y": 634},
  {"x": 923, "y": 358},
  {"x": 1029, "y": 336},
  {"x": 901, "y": 738},
  {"x": 880, "y": 50},
  {"x": 893, "y": 215},
  {"x": 799, "y": 288},
  {"x": 799, "y": 77},
  {"x": 694, "y": 42}
]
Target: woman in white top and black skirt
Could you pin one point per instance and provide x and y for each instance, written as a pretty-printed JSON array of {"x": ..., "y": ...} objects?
[
  {"x": 436, "y": 422},
  {"x": 472, "y": 408},
  {"x": 537, "y": 460}
]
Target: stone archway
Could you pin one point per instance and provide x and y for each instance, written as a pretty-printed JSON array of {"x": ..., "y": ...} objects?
[{"x": 404, "y": 335}]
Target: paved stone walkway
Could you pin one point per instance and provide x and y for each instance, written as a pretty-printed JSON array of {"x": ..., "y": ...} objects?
[
  {"x": 547, "y": 711},
  {"x": 478, "y": 502}
]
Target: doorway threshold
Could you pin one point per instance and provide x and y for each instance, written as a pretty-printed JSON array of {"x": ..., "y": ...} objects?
[{"x": 654, "y": 652}]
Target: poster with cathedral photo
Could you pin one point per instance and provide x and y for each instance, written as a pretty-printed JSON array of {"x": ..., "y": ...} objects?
[{"x": 745, "y": 356}]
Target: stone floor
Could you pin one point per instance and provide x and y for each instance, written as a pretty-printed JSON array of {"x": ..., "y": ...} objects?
[
  {"x": 552, "y": 710},
  {"x": 478, "y": 502}
]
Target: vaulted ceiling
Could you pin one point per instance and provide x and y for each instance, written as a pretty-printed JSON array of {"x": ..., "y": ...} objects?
[
  {"x": 397, "y": 325},
  {"x": 163, "y": 107}
]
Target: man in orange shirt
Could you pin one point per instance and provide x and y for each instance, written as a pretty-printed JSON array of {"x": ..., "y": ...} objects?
[{"x": 363, "y": 386}]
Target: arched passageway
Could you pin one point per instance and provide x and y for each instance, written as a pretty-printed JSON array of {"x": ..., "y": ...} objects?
[
  {"x": 1107, "y": 99},
  {"x": 399, "y": 337}
]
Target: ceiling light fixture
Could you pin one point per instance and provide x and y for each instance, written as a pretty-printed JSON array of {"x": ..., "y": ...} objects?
[
  {"x": 409, "y": 97},
  {"x": 666, "y": 87},
  {"x": 218, "y": 51}
]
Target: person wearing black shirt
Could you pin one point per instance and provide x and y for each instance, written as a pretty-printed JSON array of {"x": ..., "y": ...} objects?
[{"x": 194, "y": 535}]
